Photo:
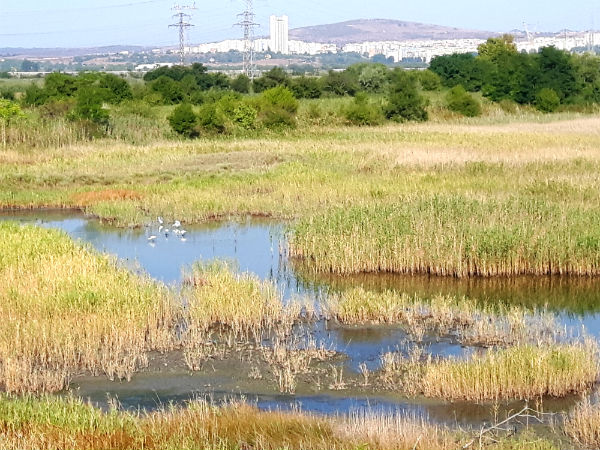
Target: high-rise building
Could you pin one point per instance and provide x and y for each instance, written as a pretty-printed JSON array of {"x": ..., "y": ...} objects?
[{"x": 279, "y": 29}]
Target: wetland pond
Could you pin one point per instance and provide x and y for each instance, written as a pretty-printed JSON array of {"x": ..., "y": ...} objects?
[{"x": 260, "y": 247}]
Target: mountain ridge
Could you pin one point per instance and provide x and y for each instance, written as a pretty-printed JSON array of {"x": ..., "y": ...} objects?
[{"x": 365, "y": 30}]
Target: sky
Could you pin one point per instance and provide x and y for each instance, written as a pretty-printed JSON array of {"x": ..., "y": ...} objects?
[{"x": 92, "y": 23}]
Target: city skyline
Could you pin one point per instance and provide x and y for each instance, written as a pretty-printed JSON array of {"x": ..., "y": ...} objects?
[{"x": 31, "y": 23}]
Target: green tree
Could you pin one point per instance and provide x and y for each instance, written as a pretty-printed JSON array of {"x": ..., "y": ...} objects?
[
  {"x": 89, "y": 106},
  {"x": 169, "y": 89},
  {"x": 116, "y": 89},
  {"x": 340, "y": 83},
  {"x": 184, "y": 121},
  {"x": 462, "y": 68},
  {"x": 430, "y": 81},
  {"x": 404, "y": 103},
  {"x": 241, "y": 84},
  {"x": 273, "y": 78},
  {"x": 374, "y": 78},
  {"x": 557, "y": 72},
  {"x": 494, "y": 48},
  {"x": 306, "y": 87}
]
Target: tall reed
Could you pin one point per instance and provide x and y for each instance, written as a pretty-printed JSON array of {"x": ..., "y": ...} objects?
[
  {"x": 452, "y": 236},
  {"x": 66, "y": 309}
]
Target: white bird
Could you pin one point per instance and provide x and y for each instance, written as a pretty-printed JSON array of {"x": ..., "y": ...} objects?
[
  {"x": 177, "y": 224},
  {"x": 160, "y": 228},
  {"x": 182, "y": 232},
  {"x": 160, "y": 220},
  {"x": 152, "y": 238}
]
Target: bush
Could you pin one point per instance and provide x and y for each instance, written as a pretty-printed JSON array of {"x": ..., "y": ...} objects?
[
  {"x": 362, "y": 113},
  {"x": 169, "y": 90},
  {"x": 404, "y": 102},
  {"x": 35, "y": 96},
  {"x": 56, "y": 108},
  {"x": 88, "y": 106},
  {"x": 271, "y": 79},
  {"x": 211, "y": 119},
  {"x": 547, "y": 100},
  {"x": 277, "y": 118},
  {"x": 116, "y": 88},
  {"x": 305, "y": 87},
  {"x": 280, "y": 98},
  {"x": 462, "y": 102},
  {"x": 184, "y": 121},
  {"x": 430, "y": 81},
  {"x": 244, "y": 116},
  {"x": 241, "y": 84}
]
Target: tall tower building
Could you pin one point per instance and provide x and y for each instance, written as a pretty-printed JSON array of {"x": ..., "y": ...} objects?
[{"x": 279, "y": 28}]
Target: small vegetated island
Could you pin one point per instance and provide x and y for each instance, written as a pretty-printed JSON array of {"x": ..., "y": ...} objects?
[{"x": 482, "y": 166}]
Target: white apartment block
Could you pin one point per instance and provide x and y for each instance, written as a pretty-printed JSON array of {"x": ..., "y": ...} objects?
[{"x": 279, "y": 27}]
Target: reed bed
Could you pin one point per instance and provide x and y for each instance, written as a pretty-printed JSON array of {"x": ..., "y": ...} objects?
[
  {"x": 469, "y": 321},
  {"x": 452, "y": 236},
  {"x": 582, "y": 424},
  {"x": 222, "y": 297},
  {"x": 50, "y": 423},
  {"x": 66, "y": 309},
  {"x": 524, "y": 372}
]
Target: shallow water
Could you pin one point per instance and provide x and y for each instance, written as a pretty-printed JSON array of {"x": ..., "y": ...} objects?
[{"x": 260, "y": 247}]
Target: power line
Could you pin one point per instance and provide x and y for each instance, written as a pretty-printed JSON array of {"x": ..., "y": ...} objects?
[
  {"x": 183, "y": 24},
  {"x": 247, "y": 24}
]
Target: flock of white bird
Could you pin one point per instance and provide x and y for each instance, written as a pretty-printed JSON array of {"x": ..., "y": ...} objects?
[{"x": 163, "y": 229}]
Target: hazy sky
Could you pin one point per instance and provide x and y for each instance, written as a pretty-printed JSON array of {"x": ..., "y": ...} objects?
[{"x": 68, "y": 23}]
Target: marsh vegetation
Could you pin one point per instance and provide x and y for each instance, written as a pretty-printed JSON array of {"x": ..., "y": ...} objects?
[{"x": 511, "y": 194}]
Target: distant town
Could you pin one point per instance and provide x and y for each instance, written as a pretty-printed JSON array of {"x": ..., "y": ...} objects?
[{"x": 316, "y": 48}]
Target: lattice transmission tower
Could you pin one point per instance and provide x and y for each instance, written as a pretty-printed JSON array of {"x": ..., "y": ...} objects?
[
  {"x": 247, "y": 24},
  {"x": 183, "y": 23}
]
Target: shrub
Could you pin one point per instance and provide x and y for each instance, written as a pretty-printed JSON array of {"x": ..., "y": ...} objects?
[
  {"x": 241, "y": 84},
  {"x": 211, "y": 119},
  {"x": 547, "y": 100},
  {"x": 462, "y": 102},
  {"x": 430, "y": 81},
  {"x": 404, "y": 102},
  {"x": 273, "y": 78},
  {"x": 305, "y": 87},
  {"x": 35, "y": 96},
  {"x": 116, "y": 88},
  {"x": 280, "y": 97},
  {"x": 277, "y": 118},
  {"x": 169, "y": 90},
  {"x": 88, "y": 106},
  {"x": 183, "y": 120},
  {"x": 244, "y": 116},
  {"x": 362, "y": 113}
]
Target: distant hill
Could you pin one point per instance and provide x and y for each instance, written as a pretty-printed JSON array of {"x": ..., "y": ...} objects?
[{"x": 381, "y": 30}]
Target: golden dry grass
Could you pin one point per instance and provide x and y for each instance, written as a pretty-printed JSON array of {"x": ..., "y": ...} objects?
[{"x": 66, "y": 309}]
